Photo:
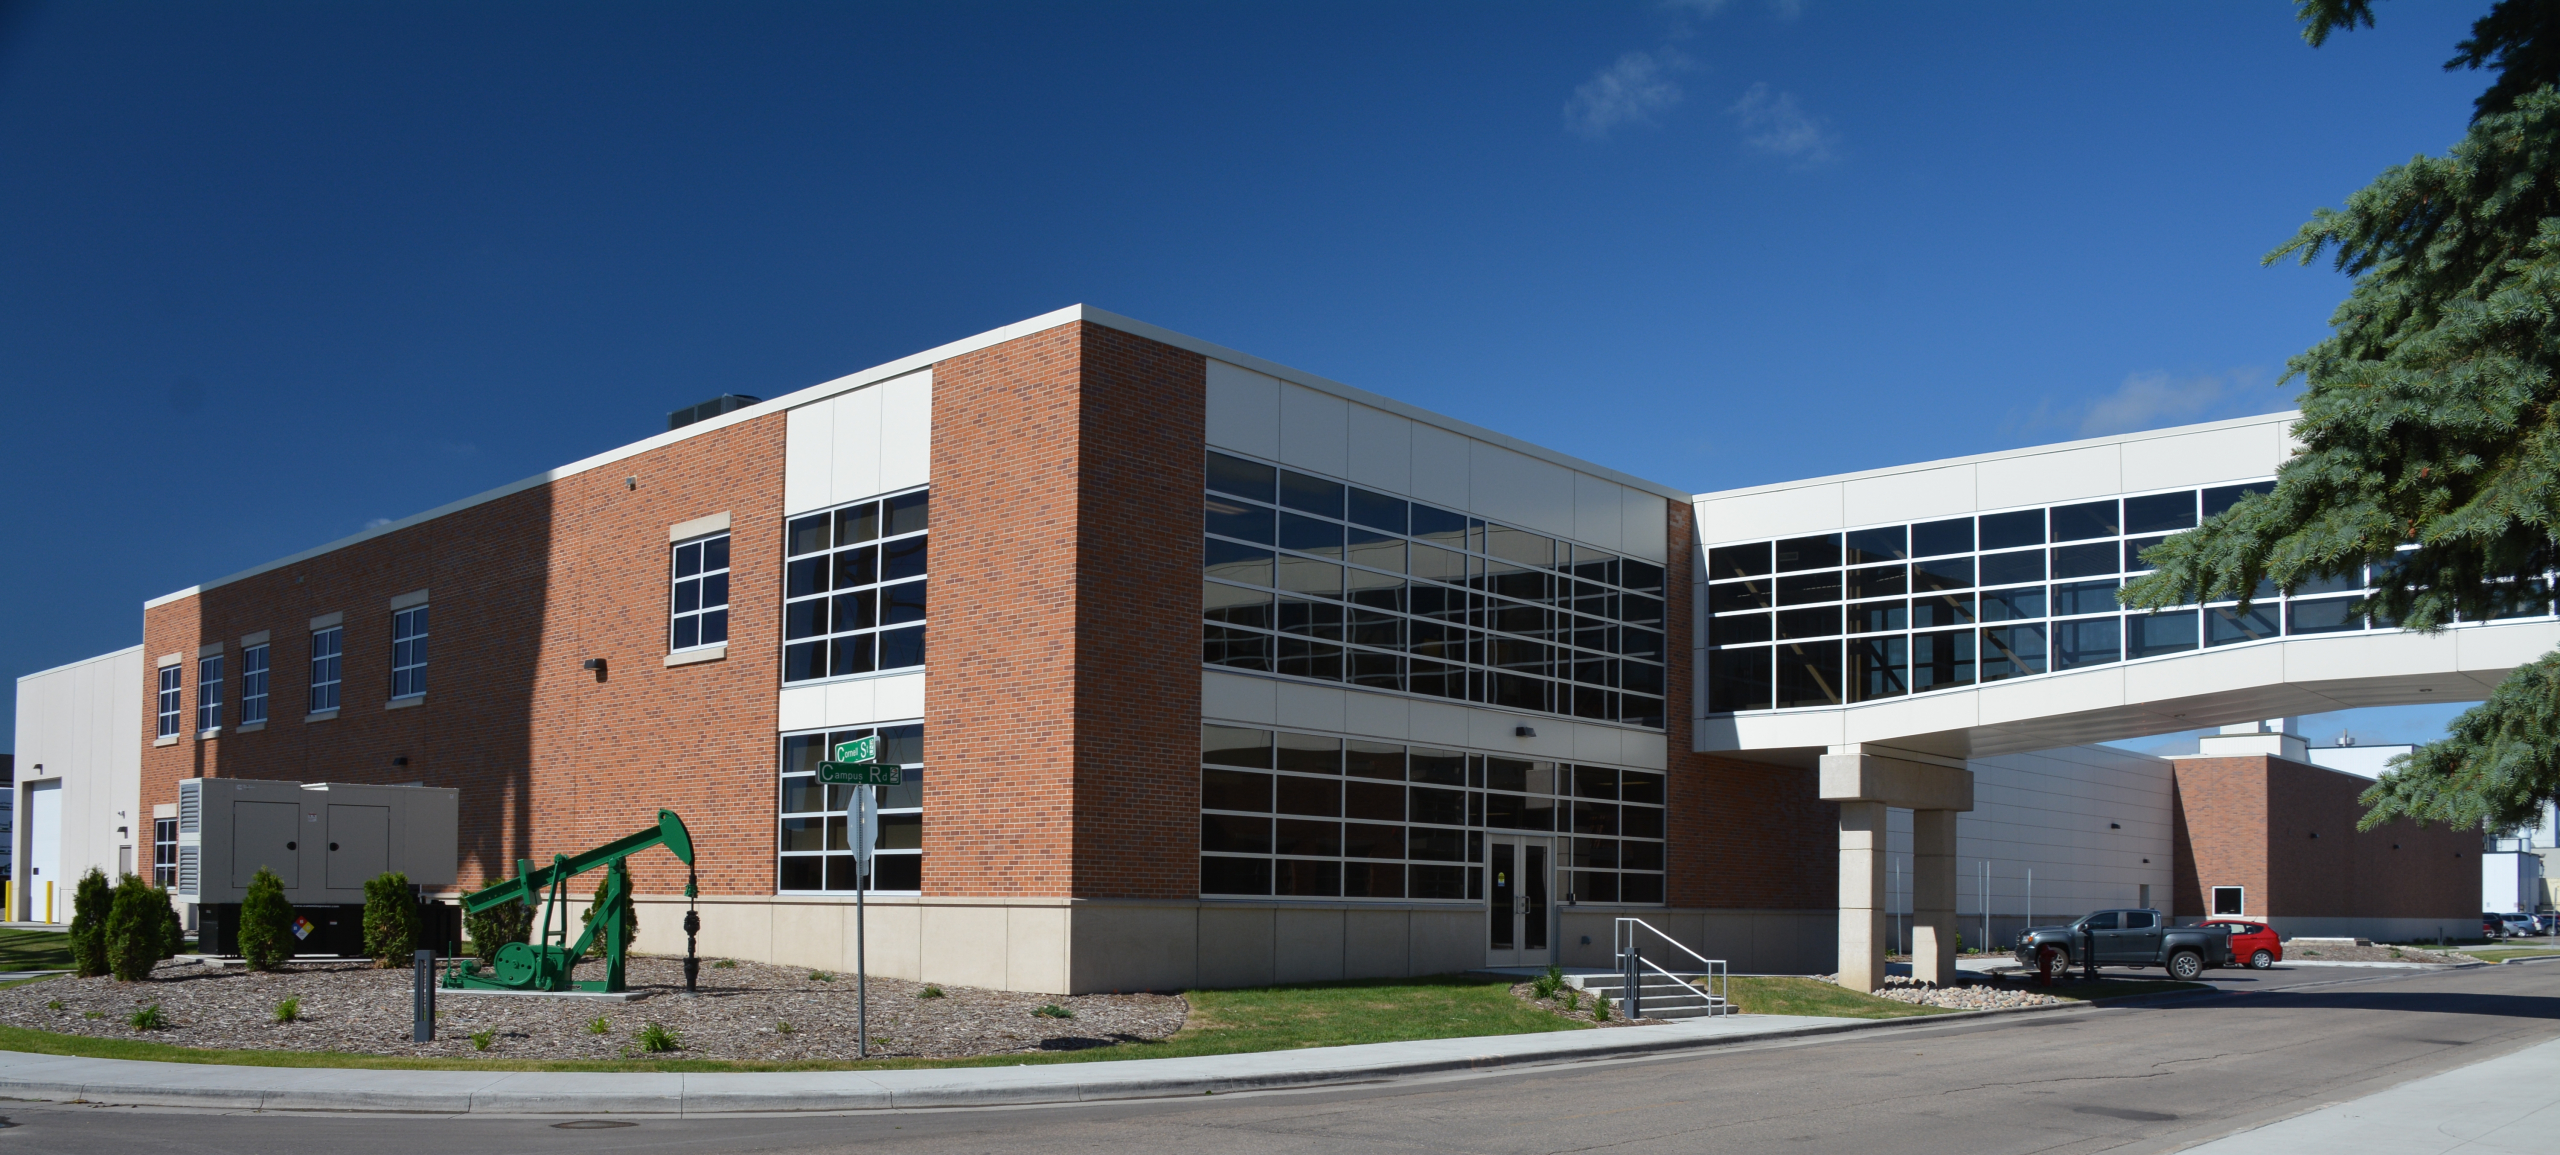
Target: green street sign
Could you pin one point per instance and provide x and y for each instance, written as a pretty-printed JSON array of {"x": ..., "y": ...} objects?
[
  {"x": 859, "y": 750},
  {"x": 860, "y": 773}
]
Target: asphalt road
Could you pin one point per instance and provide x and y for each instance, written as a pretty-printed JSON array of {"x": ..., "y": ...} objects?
[{"x": 2122, "y": 1079}]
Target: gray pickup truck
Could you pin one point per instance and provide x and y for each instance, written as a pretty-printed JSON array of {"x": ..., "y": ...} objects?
[{"x": 2126, "y": 938}]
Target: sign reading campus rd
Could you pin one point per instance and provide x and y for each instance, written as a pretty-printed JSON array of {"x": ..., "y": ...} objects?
[{"x": 860, "y": 774}]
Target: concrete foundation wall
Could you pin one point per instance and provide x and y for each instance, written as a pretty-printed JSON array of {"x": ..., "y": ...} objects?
[
  {"x": 1763, "y": 942},
  {"x": 1064, "y": 946}
]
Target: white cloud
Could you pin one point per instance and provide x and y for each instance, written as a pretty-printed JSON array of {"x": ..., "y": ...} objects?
[
  {"x": 2151, "y": 400},
  {"x": 1774, "y": 123},
  {"x": 376, "y": 522},
  {"x": 1630, "y": 91}
]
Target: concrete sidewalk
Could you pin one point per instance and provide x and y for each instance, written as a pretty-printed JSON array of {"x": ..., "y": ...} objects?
[
  {"x": 2501, "y": 1105},
  {"x": 116, "y": 1081}
]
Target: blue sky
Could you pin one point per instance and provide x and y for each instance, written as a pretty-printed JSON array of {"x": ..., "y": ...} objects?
[{"x": 270, "y": 272}]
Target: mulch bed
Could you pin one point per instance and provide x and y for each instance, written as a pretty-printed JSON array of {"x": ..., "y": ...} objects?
[
  {"x": 1582, "y": 1007},
  {"x": 739, "y": 1014}
]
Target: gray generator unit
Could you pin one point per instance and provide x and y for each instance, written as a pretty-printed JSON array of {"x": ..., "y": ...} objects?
[{"x": 324, "y": 840}]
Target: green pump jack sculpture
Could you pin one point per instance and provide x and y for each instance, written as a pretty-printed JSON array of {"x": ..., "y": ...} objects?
[{"x": 545, "y": 963}]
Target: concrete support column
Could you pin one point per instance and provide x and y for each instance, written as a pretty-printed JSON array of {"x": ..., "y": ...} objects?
[
  {"x": 1862, "y": 895},
  {"x": 1933, "y": 896}
]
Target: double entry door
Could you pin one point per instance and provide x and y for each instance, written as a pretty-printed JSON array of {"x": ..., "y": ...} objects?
[{"x": 1519, "y": 874}]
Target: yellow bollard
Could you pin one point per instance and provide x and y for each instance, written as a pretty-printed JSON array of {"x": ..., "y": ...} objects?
[{"x": 48, "y": 902}]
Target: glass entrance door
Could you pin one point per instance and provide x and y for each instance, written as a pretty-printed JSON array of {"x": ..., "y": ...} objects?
[{"x": 1518, "y": 876}]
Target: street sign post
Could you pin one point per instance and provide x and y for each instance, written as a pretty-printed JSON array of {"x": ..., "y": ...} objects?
[{"x": 854, "y": 768}]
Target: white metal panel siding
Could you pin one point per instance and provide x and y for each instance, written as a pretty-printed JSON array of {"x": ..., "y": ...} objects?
[
  {"x": 1315, "y": 430},
  {"x": 1244, "y": 410}
]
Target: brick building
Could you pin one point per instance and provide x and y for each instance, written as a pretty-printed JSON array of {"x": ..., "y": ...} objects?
[{"x": 1205, "y": 671}]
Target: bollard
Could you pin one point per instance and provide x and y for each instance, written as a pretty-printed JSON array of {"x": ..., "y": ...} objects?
[
  {"x": 1635, "y": 983},
  {"x": 692, "y": 965},
  {"x": 422, "y": 997}
]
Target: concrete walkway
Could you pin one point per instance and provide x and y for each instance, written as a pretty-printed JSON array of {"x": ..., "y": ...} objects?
[
  {"x": 2506, "y": 1104},
  {"x": 115, "y": 1081}
]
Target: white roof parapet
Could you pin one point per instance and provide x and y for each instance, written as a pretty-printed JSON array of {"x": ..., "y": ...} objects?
[{"x": 929, "y": 357}]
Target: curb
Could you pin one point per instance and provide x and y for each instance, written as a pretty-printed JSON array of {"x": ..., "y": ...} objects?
[{"x": 548, "y": 1092}]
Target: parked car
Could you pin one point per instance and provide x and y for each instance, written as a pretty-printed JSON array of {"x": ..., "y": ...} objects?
[
  {"x": 2519, "y": 925},
  {"x": 2491, "y": 925},
  {"x": 2252, "y": 943},
  {"x": 2548, "y": 922},
  {"x": 2126, "y": 938}
]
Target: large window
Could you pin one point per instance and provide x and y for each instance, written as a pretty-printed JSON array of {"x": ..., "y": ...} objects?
[
  {"x": 1315, "y": 816},
  {"x": 409, "y": 653},
  {"x": 700, "y": 605},
  {"x": 816, "y": 855},
  {"x": 172, "y": 707},
  {"x": 854, "y": 589},
  {"x": 1312, "y": 578},
  {"x": 209, "y": 694},
  {"x": 1892, "y": 610},
  {"x": 164, "y": 852},
  {"x": 253, "y": 684},
  {"x": 326, "y": 648}
]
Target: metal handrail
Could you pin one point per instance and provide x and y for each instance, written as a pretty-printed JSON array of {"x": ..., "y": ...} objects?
[
  {"x": 1633, "y": 964},
  {"x": 1623, "y": 935}
]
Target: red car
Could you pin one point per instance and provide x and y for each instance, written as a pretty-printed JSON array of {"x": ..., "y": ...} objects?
[{"x": 2254, "y": 943}]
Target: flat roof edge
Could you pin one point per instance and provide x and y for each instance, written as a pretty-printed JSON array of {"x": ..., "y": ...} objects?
[
  {"x": 1406, "y": 410},
  {"x": 2286, "y": 417},
  {"x": 925, "y": 360},
  {"x": 78, "y": 662}
]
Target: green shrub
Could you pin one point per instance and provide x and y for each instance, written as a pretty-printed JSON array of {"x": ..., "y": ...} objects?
[
  {"x": 1544, "y": 986},
  {"x": 599, "y": 1025},
  {"x": 93, "y": 1014},
  {"x": 726, "y": 964},
  {"x": 173, "y": 933},
  {"x": 821, "y": 976},
  {"x": 289, "y": 1009},
  {"x": 89, "y": 903},
  {"x": 266, "y": 922},
  {"x": 1053, "y": 1010},
  {"x": 1599, "y": 1007},
  {"x": 1572, "y": 999},
  {"x": 930, "y": 991},
  {"x": 55, "y": 1005},
  {"x": 480, "y": 1040},
  {"x": 390, "y": 920},
  {"x": 655, "y": 1039},
  {"x": 630, "y": 917},
  {"x": 782, "y": 1027},
  {"x": 497, "y": 926},
  {"x": 137, "y": 919},
  {"x": 149, "y": 1019}
]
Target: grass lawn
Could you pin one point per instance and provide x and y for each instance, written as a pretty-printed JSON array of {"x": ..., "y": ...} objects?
[
  {"x": 1785, "y": 996},
  {"x": 1221, "y": 1023},
  {"x": 35, "y": 950},
  {"x": 2517, "y": 952}
]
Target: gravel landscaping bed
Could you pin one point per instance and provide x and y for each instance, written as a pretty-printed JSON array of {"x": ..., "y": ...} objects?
[
  {"x": 1968, "y": 997},
  {"x": 740, "y": 1014},
  {"x": 2325, "y": 952}
]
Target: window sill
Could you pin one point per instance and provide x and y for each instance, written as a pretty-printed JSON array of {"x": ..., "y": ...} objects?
[
  {"x": 165, "y": 740},
  {"x": 320, "y": 715},
  {"x": 250, "y": 727},
  {"x": 698, "y": 654},
  {"x": 405, "y": 703},
  {"x": 216, "y": 732}
]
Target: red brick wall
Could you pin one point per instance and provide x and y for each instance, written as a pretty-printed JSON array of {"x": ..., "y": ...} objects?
[
  {"x": 2251, "y": 821},
  {"x": 1062, "y": 713},
  {"x": 1748, "y": 835},
  {"x": 524, "y": 589}
]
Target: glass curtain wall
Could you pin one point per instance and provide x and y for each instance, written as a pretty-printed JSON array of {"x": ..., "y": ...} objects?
[
  {"x": 1887, "y": 611},
  {"x": 1312, "y": 578},
  {"x": 1316, "y": 816}
]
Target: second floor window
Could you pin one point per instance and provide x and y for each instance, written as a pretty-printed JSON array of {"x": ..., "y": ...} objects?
[
  {"x": 409, "y": 652},
  {"x": 209, "y": 693},
  {"x": 854, "y": 589},
  {"x": 701, "y": 602},
  {"x": 253, "y": 685},
  {"x": 172, "y": 709},
  {"x": 326, "y": 646}
]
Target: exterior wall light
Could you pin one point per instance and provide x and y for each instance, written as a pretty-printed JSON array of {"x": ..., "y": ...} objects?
[
  {"x": 596, "y": 664},
  {"x": 1524, "y": 731}
]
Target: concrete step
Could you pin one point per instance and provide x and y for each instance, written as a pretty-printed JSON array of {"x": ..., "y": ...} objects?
[{"x": 1663, "y": 998}]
